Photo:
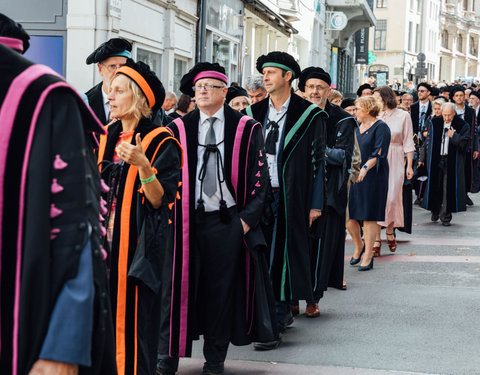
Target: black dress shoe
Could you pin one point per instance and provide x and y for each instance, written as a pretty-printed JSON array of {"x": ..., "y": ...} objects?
[
  {"x": 354, "y": 261},
  {"x": 368, "y": 267},
  {"x": 270, "y": 345},
  {"x": 469, "y": 201},
  {"x": 417, "y": 201},
  {"x": 434, "y": 217},
  {"x": 446, "y": 223}
]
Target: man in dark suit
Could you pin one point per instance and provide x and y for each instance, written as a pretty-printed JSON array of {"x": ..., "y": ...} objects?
[
  {"x": 422, "y": 109},
  {"x": 475, "y": 103},
  {"x": 467, "y": 114},
  {"x": 109, "y": 56}
]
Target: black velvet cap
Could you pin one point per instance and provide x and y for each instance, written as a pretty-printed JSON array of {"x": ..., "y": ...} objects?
[
  {"x": 150, "y": 77},
  {"x": 456, "y": 89},
  {"x": 112, "y": 47},
  {"x": 347, "y": 102},
  {"x": 11, "y": 29},
  {"x": 434, "y": 91},
  {"x": 426, "y": 85},
  {"x": 363, "y": 87},
  {"x": 234, "y": 91},
  {"x": 313, "y": 72},
  {"x": 475, "y": 93},
  {"x": 444, "y": 89},
  {"x": 188, "y": 80},
  {"x": 280, "y": 60}
]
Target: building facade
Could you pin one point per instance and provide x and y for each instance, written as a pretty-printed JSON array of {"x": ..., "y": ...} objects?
[
  {"x": 404, "y": 29},
  {"x": 459, "y": 38}
]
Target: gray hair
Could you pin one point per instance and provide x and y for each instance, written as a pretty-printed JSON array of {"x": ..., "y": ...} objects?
[
  {"x": 448, "y": 105},
  {"x": 253, "y": 83},
  {"x": 170, "y": 95}
]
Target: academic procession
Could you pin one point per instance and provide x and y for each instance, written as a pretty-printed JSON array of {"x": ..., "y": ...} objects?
[{"x": 136, "y": 221}]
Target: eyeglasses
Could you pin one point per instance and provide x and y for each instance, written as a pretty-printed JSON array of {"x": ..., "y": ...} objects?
[
  {"x": 206, "y": 88},
  {"x": 318, "y": 88},
  {"x": 113, "y": 67},
  {"x": 422, "y": 90}
]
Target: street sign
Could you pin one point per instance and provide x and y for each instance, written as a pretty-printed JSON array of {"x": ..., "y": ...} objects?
[
  {"x": 421, "y": 57},
  {"x": 336, "y": 21}
]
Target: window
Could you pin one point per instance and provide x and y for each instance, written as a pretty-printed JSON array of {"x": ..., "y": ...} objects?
[
  {"x": 179, "y": 70},
  {"x": 445, "y": 39},
  {"x": 473, "y": 46},
  {"x": 465, "y": 4},
  {"x": 381, "y": 35},
  {"x": 410, "y": 35},
  {"x": 382, "y": 3},
  {"x": 417, "y": 38},
  {"x": 460, "y": 43},
  {"x": 152, "y": 59}
]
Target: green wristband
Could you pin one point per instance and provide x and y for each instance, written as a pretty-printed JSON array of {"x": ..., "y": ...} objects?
[{"x": 147, "y": 180}]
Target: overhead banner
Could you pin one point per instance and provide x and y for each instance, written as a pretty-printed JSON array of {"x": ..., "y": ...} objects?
[
  {"x": 334, "y": 67},
  {"x": 361, "y": 46}
]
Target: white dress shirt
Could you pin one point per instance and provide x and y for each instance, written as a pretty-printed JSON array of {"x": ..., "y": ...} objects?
[
  {"x": 460, "y": 112},
  {"x": 212, "y": 203},
  {"x": 445, "y": 140},
  {"x": 274, "y": 115},
  {"x": 106, "y": 105}
]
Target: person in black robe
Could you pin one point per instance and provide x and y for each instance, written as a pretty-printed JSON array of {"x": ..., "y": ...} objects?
[
  {"x": 467, "y": 114},
  {"x": 328, "y": 233},
  {"x": 295, "y": 145},
  {"x": 475, "y": 103},
  {"x": 221, "y": 285},
  {"x": 109, "y": 56},
  {"x": 443, "y": 153},
  {"x": 141, "y": 163},
  {"x": 54, "y": 307}
]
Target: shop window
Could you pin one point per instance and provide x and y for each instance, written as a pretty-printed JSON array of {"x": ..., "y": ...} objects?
[
  {"x": 179, "y": 70},
  {"x": 381, "y": 35},
  {"x": 152, "y": 59},
  {"x": 382, "y": 3}
]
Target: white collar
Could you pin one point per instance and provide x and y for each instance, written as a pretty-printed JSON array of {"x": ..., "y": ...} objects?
[
  {"x": 284, "y": 106},
  {"x": 105, "y": 97},
  {"x": 220, "y": 115}
]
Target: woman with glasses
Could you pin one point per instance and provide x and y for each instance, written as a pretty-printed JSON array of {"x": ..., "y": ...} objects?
[
  {"x": 368, "y": 196},
  {"x": 141, "y": 163}
]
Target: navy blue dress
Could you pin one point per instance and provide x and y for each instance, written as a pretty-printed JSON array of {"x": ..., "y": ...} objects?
[{"x": 368, "y": 198}]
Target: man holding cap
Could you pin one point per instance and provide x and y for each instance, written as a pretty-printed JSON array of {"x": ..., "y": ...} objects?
[
  {"x": 295, "y": 146},
  {"x": 223, "y": 191},
  {"x": 328, "y": 245},
  {"x": 109, "y": 56}
]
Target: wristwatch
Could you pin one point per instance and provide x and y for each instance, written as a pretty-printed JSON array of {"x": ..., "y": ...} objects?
[{"x": 365, "y": 166}]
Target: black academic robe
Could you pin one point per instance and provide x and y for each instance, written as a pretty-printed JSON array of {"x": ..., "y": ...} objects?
[
  {"x": 430, "y": 155},
  {"x": 471, "y": 119},
  {"x": 246, "y": 176},
  {"x": 415, "y": 115},
  {"x": 328, "y": 233},
  {"x": 47, "y": 162},
  {"x": 302, "y": 185},
  {"x": 95, "y": 101},
  {"x": 141, "y": 254}
]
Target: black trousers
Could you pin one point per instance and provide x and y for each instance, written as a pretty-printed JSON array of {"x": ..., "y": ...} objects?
[
  {"x": 442, "y": 209},
  {"x": 218, "y": 247}
]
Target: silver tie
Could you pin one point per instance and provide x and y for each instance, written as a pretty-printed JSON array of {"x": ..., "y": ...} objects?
[{"x": 210, "y": 181}]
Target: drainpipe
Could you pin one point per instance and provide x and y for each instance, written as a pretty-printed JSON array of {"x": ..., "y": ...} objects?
[{"x": 202, "y": 30}]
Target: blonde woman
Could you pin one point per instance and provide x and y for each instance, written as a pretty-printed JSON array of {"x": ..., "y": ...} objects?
[
  {"x": 335, "y": 97},
  {"x": 141, "y": 163},
  {"x": 368, "y": 195}
]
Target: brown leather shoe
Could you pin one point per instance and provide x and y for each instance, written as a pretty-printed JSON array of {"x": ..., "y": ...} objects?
[
  {"x": 295, "y": 310},
  {"x": 312, "y": 310}
]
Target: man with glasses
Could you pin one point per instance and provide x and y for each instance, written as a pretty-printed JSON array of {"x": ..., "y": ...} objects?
[
  {"x": 295, "y": 147},
  {"x": 421, "y": 110},
  {"x": 223, "y": 192},
  {"x": 328, "y": 233},
  {"x": 109, "y": 56}
]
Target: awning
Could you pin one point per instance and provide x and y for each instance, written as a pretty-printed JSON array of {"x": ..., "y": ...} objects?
[{"x": 274, "y": 19}]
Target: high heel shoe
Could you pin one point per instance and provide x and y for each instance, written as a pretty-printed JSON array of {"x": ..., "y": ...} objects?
[
  {"x": 392, "y": 244},
  {"x": 376, "y": 249},
  {"x": 354, "y": 261},
  {"x": 367, "y": 267}
]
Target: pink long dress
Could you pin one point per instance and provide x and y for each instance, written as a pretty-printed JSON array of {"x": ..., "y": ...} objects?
[{"x": 401, "y": 142}]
